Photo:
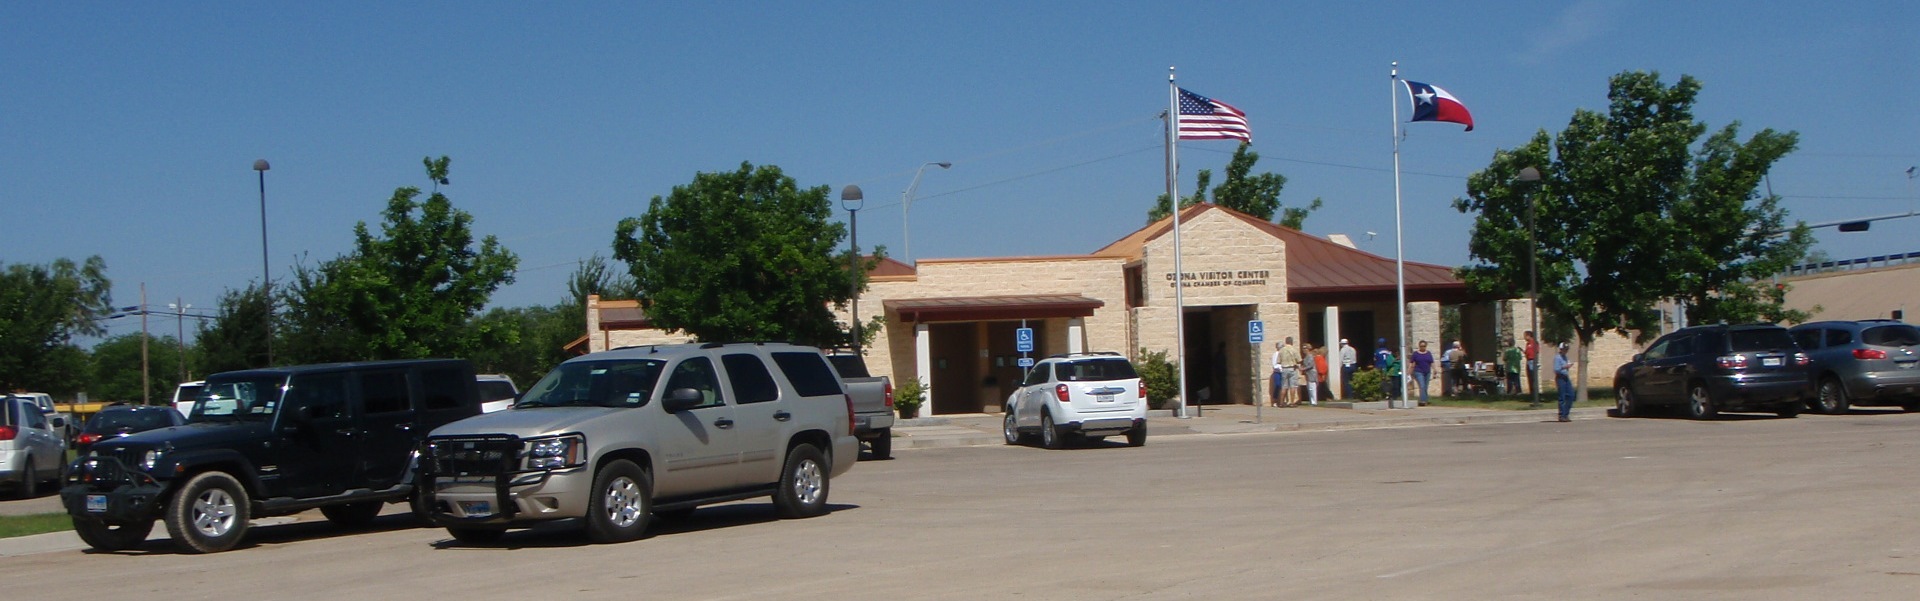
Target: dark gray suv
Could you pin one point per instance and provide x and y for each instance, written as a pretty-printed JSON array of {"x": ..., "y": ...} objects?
[
  {"x": 1709, "y": 369},
  {"x": 1870, "y": 362}
]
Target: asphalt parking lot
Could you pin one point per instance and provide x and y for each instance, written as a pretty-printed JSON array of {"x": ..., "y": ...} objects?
[{"x": 1741, "y": 508}]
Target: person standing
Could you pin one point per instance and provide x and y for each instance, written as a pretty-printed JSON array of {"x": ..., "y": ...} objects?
[
  {"x": 1383, "y": 359},
  {"x": 1457, "y": 369},
  {"x": 1422, "y": 361},
  {"x": 1320, "y": 366},
  {"x": 1512, "y": 361},
  {"x": 1533, "y": 365},
  {"x": 1564, "y": 381},
  {"x": 1308, "y": 375},
  {"x": 1349, "y": 361},
  {"x": 1286, "y": 362}
]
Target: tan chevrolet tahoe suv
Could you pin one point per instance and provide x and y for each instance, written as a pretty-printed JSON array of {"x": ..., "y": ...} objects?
[{"x": 615, "y": 437}]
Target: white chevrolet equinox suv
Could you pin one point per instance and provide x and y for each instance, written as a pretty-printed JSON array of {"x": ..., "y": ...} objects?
[{"x": 1083, "y": 395}]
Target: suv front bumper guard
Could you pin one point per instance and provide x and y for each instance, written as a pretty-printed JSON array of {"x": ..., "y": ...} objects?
[
  {"x": 472, "y": 460},
  {"x": 104, "y": 488}
]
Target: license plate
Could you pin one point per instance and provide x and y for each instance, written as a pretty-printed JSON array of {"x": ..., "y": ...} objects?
[
  {"x": 1907, "y": 365},
  {"x": 1771, "y": 362},
  {"x": 476, "y": 508},
  {"x": 1103, "y": 398},
  {"x": 96, "y": 503}
]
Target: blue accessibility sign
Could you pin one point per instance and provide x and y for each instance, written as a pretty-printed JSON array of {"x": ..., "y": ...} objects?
[
  {"x": 1023, "y": 340},
  {"x": 1256, "y": 331},
  {"x": 1026, "y": 362}
]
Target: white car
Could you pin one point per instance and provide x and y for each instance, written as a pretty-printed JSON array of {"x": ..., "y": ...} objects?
[
  {"x": 186, "y": 395},
  {"x": 32, "y": 450},
  {"x": 1088, "y": 395},
  {"x": 497, "y": 392}
]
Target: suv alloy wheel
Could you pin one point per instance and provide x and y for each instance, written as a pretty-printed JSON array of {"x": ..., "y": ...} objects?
[
  {"x": 803, "y": 484},
  {"x": 621, "y": 504},
  {"x": 1833, "y": 397},
  {"x": 209, "y": 514},
  {"x": 1623, "y": 401},
  {"x": 1699, "y": 403}
]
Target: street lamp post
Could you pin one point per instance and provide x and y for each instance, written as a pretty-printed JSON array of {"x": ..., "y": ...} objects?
[
  {"x": 851, "y": 198},
  {"x": 906, "y": 207},
  {"x": 1532, "y": 176},
  {"x": 266, "y": 275},
  {"x": 180, "y": 307}
]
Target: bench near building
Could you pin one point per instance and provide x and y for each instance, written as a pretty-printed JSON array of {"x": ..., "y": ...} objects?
[{"x": 952, "y": 322}]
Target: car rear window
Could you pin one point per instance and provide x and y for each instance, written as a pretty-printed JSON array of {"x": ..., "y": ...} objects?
[
  {"x": 1763, "y": 339},
  {"x": 137, "y": 421},
  {"x": 1891, "y": 335},
  {"x": 809, "y": 373},
  {"x": 496, "y": 390},
  {"x": 1095, "y": 370}
]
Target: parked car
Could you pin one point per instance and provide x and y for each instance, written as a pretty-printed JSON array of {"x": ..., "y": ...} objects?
[
  {"x": 32, "y": 449},
  {"x": 338, "y": 437},
  {"x": 1870, "y": 362},
  {"x": 67, "y": 428},
  {"x": 615, "y": 437},
  {"x": 1085, "y": 395},
  {"x": 497, "y": 391},
  {"x": 121, "y": 420},
  {"x": 1716, "y": 368},
  {"x": 872, "y": 403},
  {"x": 186, "y": 395}
]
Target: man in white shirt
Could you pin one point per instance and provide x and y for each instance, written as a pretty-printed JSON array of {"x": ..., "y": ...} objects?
[{"x": 1349, "y": 361}]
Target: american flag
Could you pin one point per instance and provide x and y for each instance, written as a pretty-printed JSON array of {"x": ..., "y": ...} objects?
[{"x": 1203, "y": 118}]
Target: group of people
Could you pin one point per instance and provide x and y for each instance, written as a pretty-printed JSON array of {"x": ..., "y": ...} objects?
[{"x": 1307, "y": 366}]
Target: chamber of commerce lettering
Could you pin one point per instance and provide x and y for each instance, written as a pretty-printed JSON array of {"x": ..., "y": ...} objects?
[{"x": 1208, "y": 279}]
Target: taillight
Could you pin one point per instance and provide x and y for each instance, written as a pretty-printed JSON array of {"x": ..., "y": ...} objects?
[
  {"x": 889, "y": 394},
  {"x": 88, "y": 438},
  {"x": 1732, "y": 362},
  {"x": 8, "y": 432},
  {"x": 1801, "y": 359},
  {"x": 850, "y": 421},
  {"x": 1143, "y": 391},
  {"x": 1060, "y": 390},
  {"x": 1869, "y": 353}
]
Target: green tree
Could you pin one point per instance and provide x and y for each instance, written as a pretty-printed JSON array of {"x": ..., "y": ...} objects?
[
  {"x": 237, "y": 338},
  {"x": 116, "y": 369},
  {"x": 1628, "y": 213},
  {"x": 406, "y": 293},
  {"x": 1256, "y": 195},
  {"x": 740, "y": 255},
  {"x": 42, "y": 307}
]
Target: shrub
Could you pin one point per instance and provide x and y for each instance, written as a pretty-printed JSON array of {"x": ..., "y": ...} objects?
[
  {"x": 907, "y": 397},
  {"x": 1369, "y": 384},
  {"x": 1162, "y": 380}
]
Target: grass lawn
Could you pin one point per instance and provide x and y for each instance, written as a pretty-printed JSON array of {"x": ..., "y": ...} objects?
[
  {"x": 39, "y": 523},
  {"x": 1596, "y": 397}
]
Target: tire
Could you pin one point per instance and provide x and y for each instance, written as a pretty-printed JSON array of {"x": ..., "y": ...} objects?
[
  {"x": 1832, "y": 398},
  {"x": 477, "y": 536},
  {"x": 1700, "y": 403},
  {"x": 882, "y": 446},
  {"x": 208, "y": 514},
  {"x": 803, "y": 483},
  {"x": 1009, "y": 427},
  {"x": 1050, "y": 435},
  {"x": 352, "y": 515},
  {"x": 106, "y": 537},
  {"x": 1137, "y": 437},
  {"x": 621, "y": 504},
  {"x": 1623, "y": 405},
  {"x": 30, "y": 482}
]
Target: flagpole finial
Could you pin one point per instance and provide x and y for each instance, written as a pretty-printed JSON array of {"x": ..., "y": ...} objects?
[{"x": 1169, "y": 74}]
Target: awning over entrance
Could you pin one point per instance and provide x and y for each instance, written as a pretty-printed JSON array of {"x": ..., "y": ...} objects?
[{"x": 989, "y": 308}]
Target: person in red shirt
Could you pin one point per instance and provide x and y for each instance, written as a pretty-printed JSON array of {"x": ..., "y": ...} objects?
[{"x": 1533, "y": 364}]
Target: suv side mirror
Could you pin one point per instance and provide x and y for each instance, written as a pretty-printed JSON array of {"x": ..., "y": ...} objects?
[
  {"x": 59, "y": 423},
  {"x": 1639, "y": 356},
  {"x": 682, "y": 399}
]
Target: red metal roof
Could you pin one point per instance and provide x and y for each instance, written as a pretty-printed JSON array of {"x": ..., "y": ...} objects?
[{"x": 983, "y": 308}]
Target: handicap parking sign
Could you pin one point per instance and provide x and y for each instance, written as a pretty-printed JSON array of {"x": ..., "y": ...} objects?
[
  {"x": 1023, "y": 340},
  {"x": 1256, "y": 331},
  {"x": 1026, "y": 362}
]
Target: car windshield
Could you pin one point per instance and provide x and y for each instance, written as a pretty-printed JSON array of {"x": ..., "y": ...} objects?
[
  {"x": 129, "y": 420},
  {"x": 611, "y": 383},
  {"x": 239, "y": 399},
  {"x": 1096, "y": 370},
  {"x": 496, "y": 390},
  {"x": 1764, "y": 339},
  {"x": 1891, "y": 335}
]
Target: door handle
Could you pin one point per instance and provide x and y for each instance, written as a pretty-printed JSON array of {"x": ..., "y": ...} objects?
[
  {"x": 403, "y": 427},
  {"x": 782, "y": 415},
  {"x": 723, "y": 423}
]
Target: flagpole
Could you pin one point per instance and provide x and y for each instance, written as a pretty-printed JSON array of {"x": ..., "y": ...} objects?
[
  {"x": 1399, "y": 238},
  {"x": 1173, "y": 199}
]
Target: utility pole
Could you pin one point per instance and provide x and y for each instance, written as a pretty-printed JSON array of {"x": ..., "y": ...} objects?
[{"x": 146, "y": 379}]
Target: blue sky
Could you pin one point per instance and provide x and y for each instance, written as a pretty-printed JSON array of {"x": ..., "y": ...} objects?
[{"x": 128, "y": 130}]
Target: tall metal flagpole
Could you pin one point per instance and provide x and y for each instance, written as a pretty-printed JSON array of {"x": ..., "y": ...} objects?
[
  {"x": 1399, "y": 238},
  {"x": 1173, "y": 198}
]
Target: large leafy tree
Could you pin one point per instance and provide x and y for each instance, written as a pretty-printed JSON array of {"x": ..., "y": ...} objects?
[
  {"x": 740, "y": 255},
  {"x": 1633, "y": 208},
  {"x": 1256, "y": 195},
  {"x": 117, "y": 369},
  {"x": 42, "y": 307},
  {"x": 405, "y": 293},
  {"x": 237, "y": 338}
]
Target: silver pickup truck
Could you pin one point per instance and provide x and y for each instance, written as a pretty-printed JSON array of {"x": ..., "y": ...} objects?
[
  {"x": 617, "y": 437},
  {"x": 872, "y": 403}
]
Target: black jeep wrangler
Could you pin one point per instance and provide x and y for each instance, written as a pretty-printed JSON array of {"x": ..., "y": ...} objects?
[{"x": 265, "y": 442}]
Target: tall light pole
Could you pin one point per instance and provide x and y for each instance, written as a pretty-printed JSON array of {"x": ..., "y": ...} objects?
[
  {"x": 266, "y": 275},
  {"x": 1531, "y": 176},
  {"x": 180, "y": 307},
  {"x": 906, "y": 207},
  {"x": 851, "y": 198}
]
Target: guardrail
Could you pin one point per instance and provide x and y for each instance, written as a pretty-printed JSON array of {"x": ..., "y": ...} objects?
[{"x": 1854, "y": 264}]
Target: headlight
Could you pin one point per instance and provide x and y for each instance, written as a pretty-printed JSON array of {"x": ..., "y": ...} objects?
[
  {"x": 147, "y": 461},
  {"x": 556, "y": 452}
]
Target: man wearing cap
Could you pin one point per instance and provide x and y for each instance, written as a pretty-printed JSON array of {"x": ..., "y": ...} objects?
[
  {"x": 1565, "y": 382},
  {"x": 1349, "y": 361}
]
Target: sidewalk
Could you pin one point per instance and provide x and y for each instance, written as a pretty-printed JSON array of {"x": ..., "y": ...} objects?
[{"x": 977, "y": 429}]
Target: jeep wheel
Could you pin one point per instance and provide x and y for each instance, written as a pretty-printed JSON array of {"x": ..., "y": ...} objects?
[
  {"x": 621, "y": 504},
  {"x": 882, "y": 445},
  {"x": 803, "y": 484},
  {"x": 477, "y": 536},
  {"x": 352, "y": 515},
  {"x": 1833, "y": 397},
  {"x": 209, "y": 514},
  {"x": 106, "y": 537},
  {"x": 1138, "y": 435},
  {"x": 1010, "y": 428},
  {"x": 1699, "y": 403},
  {"x": 1049, "y": 434},
  {"x": 1623, "y": 402}
]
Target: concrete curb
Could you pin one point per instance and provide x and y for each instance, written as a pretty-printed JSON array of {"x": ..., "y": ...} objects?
[{"x": 939, "y": 433}]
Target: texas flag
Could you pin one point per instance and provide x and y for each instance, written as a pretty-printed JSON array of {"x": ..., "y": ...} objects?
[{"x": 1430, "y": 103}]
